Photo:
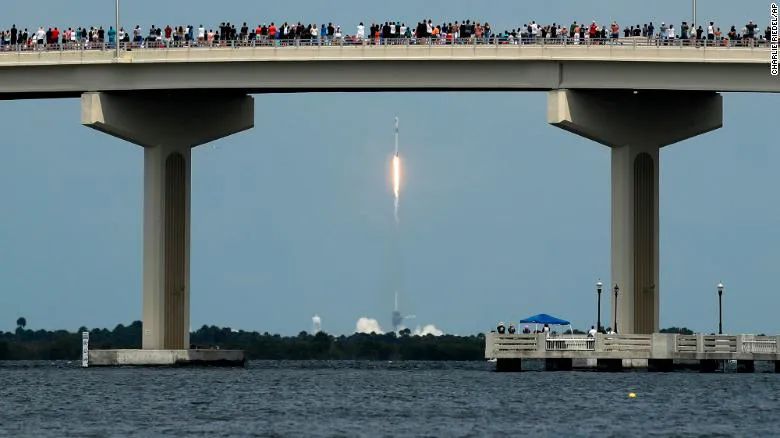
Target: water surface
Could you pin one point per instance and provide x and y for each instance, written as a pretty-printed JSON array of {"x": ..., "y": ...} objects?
[{"x": 378, "y": 399}]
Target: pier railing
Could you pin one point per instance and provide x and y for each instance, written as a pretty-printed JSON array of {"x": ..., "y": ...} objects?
[
  {"x": 759, "y": 344},
  {"x": 630, "y": 343},
  {"x": 726, "y": 344},
  {"x": 570, "y": 344},
  {"x": 657, "y": 345}
]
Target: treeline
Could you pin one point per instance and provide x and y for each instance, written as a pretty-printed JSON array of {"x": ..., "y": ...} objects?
[{"x": 24, "y": 344}]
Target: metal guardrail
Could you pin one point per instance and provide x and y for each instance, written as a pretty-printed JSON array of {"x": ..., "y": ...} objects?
[
  {"x": 351, "y": 41},
  {"x": 759, "y": 344},
  {"x": 570, "y": 344}
]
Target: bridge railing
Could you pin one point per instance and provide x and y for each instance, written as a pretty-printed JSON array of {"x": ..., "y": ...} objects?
[{"x": 352, "y": 41}]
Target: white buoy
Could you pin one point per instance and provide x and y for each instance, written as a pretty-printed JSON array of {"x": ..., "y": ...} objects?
[{"x": 84, "y": 349}]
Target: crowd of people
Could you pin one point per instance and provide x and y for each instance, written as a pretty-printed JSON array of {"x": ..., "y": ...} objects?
[
  {"x": 502, "y": 329},
  {"x": 390, "y": 32}
]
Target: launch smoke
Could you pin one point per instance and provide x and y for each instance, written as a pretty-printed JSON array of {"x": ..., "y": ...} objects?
[
  {"x": 429, "y": 329},
  {"x": 368, "y": 325}
]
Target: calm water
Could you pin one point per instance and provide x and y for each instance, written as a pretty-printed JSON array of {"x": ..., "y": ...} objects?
[{"x": 379, "y": 399}]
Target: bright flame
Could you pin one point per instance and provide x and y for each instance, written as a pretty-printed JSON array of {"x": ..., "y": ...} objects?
[
  {"x": 396, "y": 182},
  {"x": 396, "y": 175}
]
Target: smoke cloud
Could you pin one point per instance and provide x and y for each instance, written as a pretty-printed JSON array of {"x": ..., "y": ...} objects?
[
  {"x": 316, "y": 324},
  {"x": 368, "y": 325},
  {"x": 429, "y": 329}
]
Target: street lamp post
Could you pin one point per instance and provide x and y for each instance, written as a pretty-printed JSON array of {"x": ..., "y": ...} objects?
[
  {"x": 615, "y": 327},
  {"x": 693, "y": 25},
  {"x": 598, "y": 312},
  {"x": 720, "y": 308},
  {"x": 116, "y": 30}
]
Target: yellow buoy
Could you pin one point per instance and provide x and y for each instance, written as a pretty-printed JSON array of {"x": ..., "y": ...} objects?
[{"x": 631, "y": 395}]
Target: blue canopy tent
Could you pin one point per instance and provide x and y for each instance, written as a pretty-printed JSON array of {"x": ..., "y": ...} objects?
[{"x": 544, "y": 318}]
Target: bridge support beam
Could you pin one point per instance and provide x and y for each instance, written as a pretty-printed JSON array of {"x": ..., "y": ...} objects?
[
  {"x": 636, "y": 125},
  {"x": 167, "y": 126}
]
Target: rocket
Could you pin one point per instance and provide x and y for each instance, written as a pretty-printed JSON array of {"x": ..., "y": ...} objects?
[{"x": 396, "y": 136}]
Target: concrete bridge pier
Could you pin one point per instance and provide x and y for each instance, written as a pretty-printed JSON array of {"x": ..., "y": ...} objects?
[
  {"x": 167, "y": 126},
  {"x": 636, "y": 125}
]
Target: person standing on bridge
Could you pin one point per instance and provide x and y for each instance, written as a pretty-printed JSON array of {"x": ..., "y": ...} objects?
[
  {"x": 361, "y": 32},
  {"x": 751, "y": 33},
  {"x": 40, "y": 37},
  {"x": 337, "y": 35}
]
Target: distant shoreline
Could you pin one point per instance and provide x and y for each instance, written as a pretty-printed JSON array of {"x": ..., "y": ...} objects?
[{"x": 26, "y": 344}]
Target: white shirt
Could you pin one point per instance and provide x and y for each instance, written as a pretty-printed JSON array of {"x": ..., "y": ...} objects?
[
  {"x": 315, "y": 32},
  {"x": 592, "y": 332},
  {"x": 392, "y": 29},
  {"x": 361, "y": 31},
  {"x": 710, "y": 30},
  {"x": 201, "y": 32},
  {"x": 403, "y": 30},
  {"x": 40, "y": 35},
  {"x": 670, "y": 33}
]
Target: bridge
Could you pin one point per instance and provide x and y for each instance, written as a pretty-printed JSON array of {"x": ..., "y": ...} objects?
[{"x": 634, "y": 97}]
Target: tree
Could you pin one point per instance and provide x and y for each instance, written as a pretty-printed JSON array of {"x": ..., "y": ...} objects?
[
  {"x": 21, "y": 322},
  {"x": 678, "y": 330}
]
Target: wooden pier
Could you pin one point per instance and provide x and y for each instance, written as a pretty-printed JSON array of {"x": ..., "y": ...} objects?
[{"x": 656, "y": 352}]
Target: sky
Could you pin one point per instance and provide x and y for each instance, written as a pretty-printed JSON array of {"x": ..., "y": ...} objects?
[{"x": 502, "y": 216}]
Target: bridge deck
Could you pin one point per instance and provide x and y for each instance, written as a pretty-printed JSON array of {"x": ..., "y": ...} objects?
[{"x": 263, "y": 69}]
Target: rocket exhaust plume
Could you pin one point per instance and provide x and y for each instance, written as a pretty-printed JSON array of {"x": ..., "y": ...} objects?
[{"x": 396, "y": 175}]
